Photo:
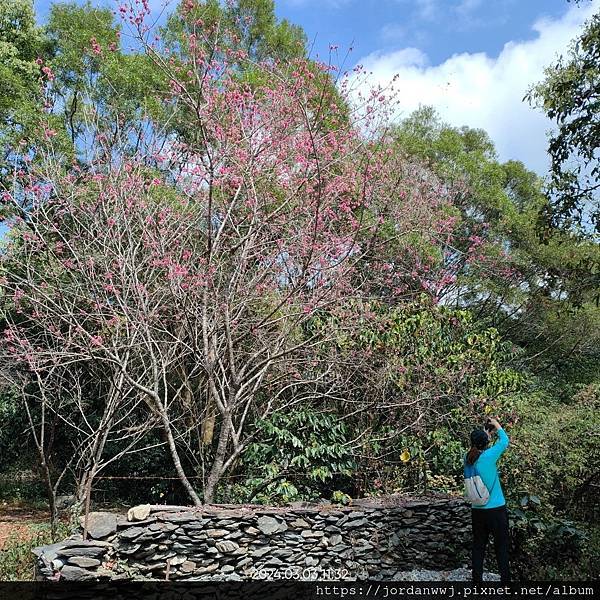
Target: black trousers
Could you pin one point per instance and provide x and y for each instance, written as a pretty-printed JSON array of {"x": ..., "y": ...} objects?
[{"x": 494, "y": 521}]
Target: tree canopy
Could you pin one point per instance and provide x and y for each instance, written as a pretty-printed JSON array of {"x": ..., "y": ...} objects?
[{"x": 570, "y": 96}]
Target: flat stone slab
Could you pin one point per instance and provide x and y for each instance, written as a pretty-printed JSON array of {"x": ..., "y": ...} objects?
[
  {"x": 84, "y": 562},
  {"x": 100, "y": 524},
  {"x": 269, "y": 525},
  {"x": 69, "y": 573}
]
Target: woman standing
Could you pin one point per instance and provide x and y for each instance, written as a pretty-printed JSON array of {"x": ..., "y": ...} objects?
[{"x": 492, "y": 517}]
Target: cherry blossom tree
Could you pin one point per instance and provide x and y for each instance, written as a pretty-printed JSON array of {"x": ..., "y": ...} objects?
[{"x": 183, "y": 277}]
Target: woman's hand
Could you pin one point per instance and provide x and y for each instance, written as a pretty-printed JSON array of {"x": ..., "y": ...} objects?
[{"x": 495, "y": 423}]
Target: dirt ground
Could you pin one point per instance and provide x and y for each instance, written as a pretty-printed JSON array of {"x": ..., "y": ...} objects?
[{"x": 17, "y": 521}]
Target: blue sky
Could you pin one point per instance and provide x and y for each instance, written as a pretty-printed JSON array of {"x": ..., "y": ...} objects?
[
  {"x": 472, "y": 59},
  {"x": 438, "y": 27}
]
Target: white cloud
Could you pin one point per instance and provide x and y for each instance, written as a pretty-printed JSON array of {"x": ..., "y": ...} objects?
[{"x": 482, "y": 91}]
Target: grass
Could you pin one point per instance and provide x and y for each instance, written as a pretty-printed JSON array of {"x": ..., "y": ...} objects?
[{"x": 17, "y": 562}]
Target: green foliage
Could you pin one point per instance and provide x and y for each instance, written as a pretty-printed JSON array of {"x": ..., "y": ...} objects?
[
  {"x": 430, "y": 374},
  {"x": 297, "y": 455},
  {"x": 569, "y": 96},
  {"x": 546, "y": 299},
  {"x": 13, "y": 425},
  {"x": 550, "y": 548},
  {"x": 95, "y": 81},
  {"x": 21, "y": 44},
  {"x": 438, "y": 349},
  {"x": 17, "y": 562},
  {"x": 248, "y": 25},
  {"x": 555, "y": 455}
]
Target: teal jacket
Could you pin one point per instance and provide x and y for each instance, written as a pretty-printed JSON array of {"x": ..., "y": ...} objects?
[{"x": 486, "y": 465}]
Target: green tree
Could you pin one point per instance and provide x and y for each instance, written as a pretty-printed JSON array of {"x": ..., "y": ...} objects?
[
  {"x": 248, "y": 25},
  {"x": 570, "y": 96},
  {"x": 22, "y": 43},
  {"x": 96, "y": 84},
  {"x": 545, "y": 299}
]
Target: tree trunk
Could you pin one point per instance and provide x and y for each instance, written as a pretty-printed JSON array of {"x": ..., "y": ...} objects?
[
  {"x": 177, "y": 462},
  {"x": 207, "y": 428},
  {"x": 217, "y": 467},
  {"x": 51, "y": 499},
  {"x": 87, "y": 491}
]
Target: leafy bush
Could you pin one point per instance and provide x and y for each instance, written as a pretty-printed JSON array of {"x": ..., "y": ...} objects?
[
  {"x": 549, "y": 548},
  {"x": 298, "y": 455},
  {"x": 554, "y": 453}
]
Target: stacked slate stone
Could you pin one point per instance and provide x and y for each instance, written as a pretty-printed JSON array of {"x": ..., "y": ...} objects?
[{"x": 308, "y": 542}]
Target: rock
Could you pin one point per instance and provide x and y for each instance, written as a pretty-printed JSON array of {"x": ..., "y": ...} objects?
[
  {"x": 301, "y": 504},
  {"x": 162, "y": 527},
  {"x": 188, "y": 566},
  {"x": 260, "y": 552},
  {"x": 309, "y": 533},
  {"x": 100, "y": 524},
  {"x": 208, "y": 569},
  {"x": 356, "y": 513},
  {"x": 300, "y": 524},
  {"x": 225, "y": 523},
  {"x": 139, "y": 513},
  {"x": 132, "y": 533},
  {"x": 183, "y": 517},
  {"x": 226, "y": 546},
  {"x": 252, "y": 530},
  {"x": 244, "y": 561},
  {"x": 84, "y": 562},
  {"x": 193, "y": 526},
  {"x": 69, "y": 573},
  {"x": 153, "y": 556},
  {"x": 128, "y": 550},
  {"x": 91, "y": 551},
  {"x": 219, "y": 543},
  {"x": 269, "y": 525},
  {"x": 216, "y": 533},
  {"x": 356, "y": 523}
]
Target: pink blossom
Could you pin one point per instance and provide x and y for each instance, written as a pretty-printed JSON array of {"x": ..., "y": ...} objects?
[
  {"x": 47, "y": 71},
  {"x": 96, "y": 47},
  {"x": 96, "y": 340}
]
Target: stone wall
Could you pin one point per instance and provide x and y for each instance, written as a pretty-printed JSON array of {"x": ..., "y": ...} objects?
[{"x": 372, "y": 538}]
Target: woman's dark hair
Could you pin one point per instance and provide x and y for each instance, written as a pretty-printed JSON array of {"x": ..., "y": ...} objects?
[
  {"x": 479, "y": 440},
  {"x": 473, "y": 455}
]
